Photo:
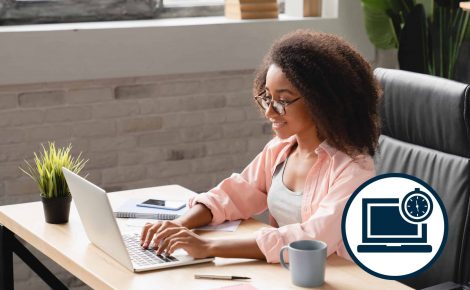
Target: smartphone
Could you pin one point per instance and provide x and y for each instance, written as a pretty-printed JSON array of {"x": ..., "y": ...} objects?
[{"x": 163, "y": 204}]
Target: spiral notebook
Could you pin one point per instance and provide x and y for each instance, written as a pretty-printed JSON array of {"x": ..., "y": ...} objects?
[{"x": 130, "y": 210}]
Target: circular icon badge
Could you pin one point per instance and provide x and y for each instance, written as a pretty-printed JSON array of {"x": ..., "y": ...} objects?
[{"x": 394, "y": 226}]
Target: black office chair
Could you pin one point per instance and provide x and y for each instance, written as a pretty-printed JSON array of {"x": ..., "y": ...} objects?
[{"x": 426, "y": 133}]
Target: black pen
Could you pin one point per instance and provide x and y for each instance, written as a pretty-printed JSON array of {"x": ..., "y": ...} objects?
[{"x": 219, "y": 277}]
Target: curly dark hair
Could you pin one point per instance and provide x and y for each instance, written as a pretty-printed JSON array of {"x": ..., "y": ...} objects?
[{"x": 338, "y": 86}]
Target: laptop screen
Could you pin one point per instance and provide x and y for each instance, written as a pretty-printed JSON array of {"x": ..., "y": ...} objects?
[{"x": 383, "y": 223}]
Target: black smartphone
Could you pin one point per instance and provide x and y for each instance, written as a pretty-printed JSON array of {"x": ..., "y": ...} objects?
[{"x": 164, "y": 204}]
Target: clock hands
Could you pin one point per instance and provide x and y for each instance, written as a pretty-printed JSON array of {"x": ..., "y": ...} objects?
[{"x": 417, "y": 206}]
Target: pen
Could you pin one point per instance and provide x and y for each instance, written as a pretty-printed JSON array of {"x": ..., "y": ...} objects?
[{"x": 219, "y": 277}]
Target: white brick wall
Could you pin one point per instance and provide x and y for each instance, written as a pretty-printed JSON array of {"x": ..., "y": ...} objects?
[
  {"x": 41, "y": 99},
  {"x": 67, "y": 114},
  {"x": 20, "y": 117},
  {"x": 8, "y": 101},
  {"x": 89, "y": 95},
  {"x": 136, "y": 91},
  {"x": 193, "y": 130}
]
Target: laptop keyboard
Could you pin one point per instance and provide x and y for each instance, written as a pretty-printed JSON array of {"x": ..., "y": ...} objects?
[{"x": 141, "y": 256}]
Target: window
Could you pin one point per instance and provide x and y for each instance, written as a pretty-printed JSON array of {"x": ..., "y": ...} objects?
[
  {"x": 191, "y": 8},
  {"x": 184, "y": 3},
  {"x": 60, "y": 11}
]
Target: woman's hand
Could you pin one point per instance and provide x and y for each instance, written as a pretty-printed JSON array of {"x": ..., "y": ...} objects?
[
  {"x": 168, "y": 236},
  {"x": 182, "y": 238},
  {"x": 151, "y": 230}
]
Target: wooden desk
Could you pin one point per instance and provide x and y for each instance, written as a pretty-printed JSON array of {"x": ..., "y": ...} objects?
[
  {"x": 69, "y": 247},
  {"x": 465, "y": 5}
]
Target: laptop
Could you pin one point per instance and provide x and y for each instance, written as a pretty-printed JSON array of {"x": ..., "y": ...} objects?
[
  {"x": 384, "y": 229},
  {"x": 102, "y": 230}
]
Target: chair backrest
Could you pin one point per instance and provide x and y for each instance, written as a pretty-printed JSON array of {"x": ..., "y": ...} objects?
[{"x": 426, "y": 133}]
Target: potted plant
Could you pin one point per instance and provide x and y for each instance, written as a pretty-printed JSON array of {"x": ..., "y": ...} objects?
[
  {"x": 48, "y": 175},
  {"x": 427, "y": 33}
]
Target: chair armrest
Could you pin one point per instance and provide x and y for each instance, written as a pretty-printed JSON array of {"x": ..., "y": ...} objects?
[{"x": 448, "y": 286}]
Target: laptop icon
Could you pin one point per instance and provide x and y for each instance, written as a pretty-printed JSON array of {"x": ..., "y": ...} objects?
[
  {"x": 102, "y": 230},
  {"x": 385, "y": 230}
]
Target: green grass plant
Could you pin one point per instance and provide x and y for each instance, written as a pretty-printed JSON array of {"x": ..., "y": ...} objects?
[
  {"x": 47, "y": 169},
  {"x": 427, "y": 33}
]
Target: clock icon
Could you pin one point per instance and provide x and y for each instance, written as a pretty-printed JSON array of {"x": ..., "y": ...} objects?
[{"x": 416, "y": 206}]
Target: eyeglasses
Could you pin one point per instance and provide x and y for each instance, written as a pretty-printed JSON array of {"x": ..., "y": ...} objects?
[{"x": 279, "y": 107}]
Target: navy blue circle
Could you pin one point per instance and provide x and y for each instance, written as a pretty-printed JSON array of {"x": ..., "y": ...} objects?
[{"x": 356, "y": 192}]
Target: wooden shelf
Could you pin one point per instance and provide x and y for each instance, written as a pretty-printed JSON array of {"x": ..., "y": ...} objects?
[{"x": 465, "y": 5}]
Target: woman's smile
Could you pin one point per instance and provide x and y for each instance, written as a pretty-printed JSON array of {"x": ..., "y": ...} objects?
[{"x": 277, "y": 124}]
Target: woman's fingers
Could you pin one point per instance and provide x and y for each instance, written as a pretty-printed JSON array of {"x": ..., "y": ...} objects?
[
  {"x": 150, "y": 230},
  {"x": 182, "y": 238},
  {"x": 163, "y": 246},
  {"x": 165, "y": 234},
  {"x": 149, "y": 234},
  {"x": 177, "y": 244},
  {"x": 143, "y": 235}
]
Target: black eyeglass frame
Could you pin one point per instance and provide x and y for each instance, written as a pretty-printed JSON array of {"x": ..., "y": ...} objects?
[{"x": 278, "y": 106}]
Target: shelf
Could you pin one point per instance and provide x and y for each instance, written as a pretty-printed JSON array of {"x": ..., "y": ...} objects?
[{"x": 465, "y": 5}]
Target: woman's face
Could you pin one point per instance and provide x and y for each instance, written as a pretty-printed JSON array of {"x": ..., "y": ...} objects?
[{"x": 297, "y": 118}]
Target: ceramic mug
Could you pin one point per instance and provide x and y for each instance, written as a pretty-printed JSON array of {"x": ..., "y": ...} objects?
[{"x": 307, "y": 260}]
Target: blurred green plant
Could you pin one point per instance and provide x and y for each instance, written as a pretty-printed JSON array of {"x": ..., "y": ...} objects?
[
  {"x": 47, "y": 172},
  {"x": 427, "y": 33}
]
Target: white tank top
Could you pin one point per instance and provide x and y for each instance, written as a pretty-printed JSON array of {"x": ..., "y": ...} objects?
[{"x": 283, "y": 203}]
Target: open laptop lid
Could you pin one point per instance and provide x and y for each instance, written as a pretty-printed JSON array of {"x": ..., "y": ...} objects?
[{"x": 97, "y": 217}]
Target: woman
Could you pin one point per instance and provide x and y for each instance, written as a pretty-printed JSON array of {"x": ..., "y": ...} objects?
[{"x": 321, "y": 98}]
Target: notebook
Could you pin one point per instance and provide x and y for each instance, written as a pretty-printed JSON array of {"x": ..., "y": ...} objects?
[{"x": 130, "y": 210}]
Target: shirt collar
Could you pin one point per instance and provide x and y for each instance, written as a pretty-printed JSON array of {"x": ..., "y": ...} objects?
[
  {"x": 323, "y": 147},
  {"x": 326, "y": 148}
]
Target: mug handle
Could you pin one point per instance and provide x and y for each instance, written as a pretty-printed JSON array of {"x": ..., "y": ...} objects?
[{"x": 281, "y": 257}]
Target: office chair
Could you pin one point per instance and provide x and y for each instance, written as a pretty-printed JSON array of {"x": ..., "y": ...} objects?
[{"x": 426, "y": 133}]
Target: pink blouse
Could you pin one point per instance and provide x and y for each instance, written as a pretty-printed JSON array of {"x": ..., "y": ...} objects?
[{"x": 328, "y": 186}]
